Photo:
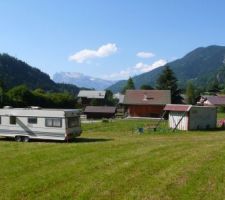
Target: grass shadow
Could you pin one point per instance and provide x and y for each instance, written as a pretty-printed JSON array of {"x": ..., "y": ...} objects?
[
  {"x": 10, "y": 139},
  {"x": 76, "y": 140},
  {"x": 90, "y": 140}
]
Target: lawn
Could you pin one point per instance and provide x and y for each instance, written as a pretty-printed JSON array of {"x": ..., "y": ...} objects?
[{"x": 112, "y": 161}]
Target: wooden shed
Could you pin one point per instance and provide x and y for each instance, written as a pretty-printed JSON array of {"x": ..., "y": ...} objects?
[
  {"x": 189, "y": 117},
  {"x": 146, "y": 103},
  {"x": 98, "y": 112}
]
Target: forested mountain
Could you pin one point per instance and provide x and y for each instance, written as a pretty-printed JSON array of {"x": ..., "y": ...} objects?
[
  {"x": 15, "y": 72},
  {"x": 201, "y": 65}
]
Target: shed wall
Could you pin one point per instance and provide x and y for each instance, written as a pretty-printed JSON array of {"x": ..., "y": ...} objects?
[
  {"x": 202, "y": 118},
  {"x": 175, "y": 117}
]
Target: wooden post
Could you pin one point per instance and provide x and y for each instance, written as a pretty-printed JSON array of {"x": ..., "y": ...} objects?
[{"x": 160, "y": 120}]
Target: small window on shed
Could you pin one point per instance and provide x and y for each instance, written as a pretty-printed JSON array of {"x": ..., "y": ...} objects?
[
  {"x": 32, "y": 120},
  {"x": 12, "y": 120}
]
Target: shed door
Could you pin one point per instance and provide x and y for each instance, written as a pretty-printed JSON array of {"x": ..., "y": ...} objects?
[{"x": 175, "y": 117}]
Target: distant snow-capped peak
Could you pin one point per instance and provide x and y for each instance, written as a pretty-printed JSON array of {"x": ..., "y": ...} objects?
[{"x": 82, "y": 80}]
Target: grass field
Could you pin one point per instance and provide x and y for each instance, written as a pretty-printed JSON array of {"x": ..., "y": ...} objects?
[{"x": 112, "y": 161}]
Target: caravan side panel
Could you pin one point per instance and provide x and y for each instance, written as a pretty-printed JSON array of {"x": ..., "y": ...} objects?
[{"x": 39, "y": 130}]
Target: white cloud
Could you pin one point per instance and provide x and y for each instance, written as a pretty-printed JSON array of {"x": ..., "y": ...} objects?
[
  {"x": 141, "y": 67},
  {"x": 143, "y": 54},
  {"x": 135, "y": 70},
  {"x": 86, "y": 54}
]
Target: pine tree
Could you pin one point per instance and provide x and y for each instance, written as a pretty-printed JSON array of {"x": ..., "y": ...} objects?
[
  {"x": 190, "y": 93},
  {"x": 168, "y": 81},
  {"x": 129, "y": 86}
]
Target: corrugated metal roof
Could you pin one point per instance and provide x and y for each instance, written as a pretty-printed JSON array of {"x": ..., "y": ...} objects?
[
  {"x": 147, "y": 97},
  {"x": 177, "y": 107},
  {"x": 92, "y": 94},
  {"x": 100, "y": 109}
]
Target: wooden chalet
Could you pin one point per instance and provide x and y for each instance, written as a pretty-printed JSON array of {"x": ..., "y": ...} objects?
[
  {"x": 85, "y": 97},
  {"x": 146, "y": 103}
]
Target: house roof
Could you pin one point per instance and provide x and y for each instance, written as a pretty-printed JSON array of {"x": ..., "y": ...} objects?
[
  {"x": 91, "y": 94},
  {"x": 147, "y": 97},
  {"x": 177, "y": 107},
  {"x": 216, "y": 100},
  {"x": 100, "y": 109}
]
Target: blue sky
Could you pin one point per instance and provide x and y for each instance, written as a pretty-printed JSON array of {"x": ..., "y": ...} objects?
[{"x": 111, "y": 39}]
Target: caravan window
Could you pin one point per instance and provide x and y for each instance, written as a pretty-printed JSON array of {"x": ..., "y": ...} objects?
[
  {"x": 73, "y": 122},
  {"x": 12, "y": 120},
  {"x": 53, "y": 122},
  {"x": 32, "y": 120}
]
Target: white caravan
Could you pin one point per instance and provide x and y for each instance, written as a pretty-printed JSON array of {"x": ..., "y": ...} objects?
[{"x": 35, "y": 123}]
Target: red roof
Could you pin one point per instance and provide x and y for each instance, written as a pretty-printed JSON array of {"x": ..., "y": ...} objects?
[
  {"x": 177, "y": 107},
  {"x": 100, "y": 109},
  {"x": 147, "y": 97}
]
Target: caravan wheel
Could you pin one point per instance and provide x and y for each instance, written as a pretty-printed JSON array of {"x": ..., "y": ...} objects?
[
  {"x": 18, "y": 139},
  {"x": 26, "y": 139}
]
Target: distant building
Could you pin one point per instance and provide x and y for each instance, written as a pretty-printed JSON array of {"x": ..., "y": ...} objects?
[
  {"x": 85, "y": 97},
  {"x": 184, "y": 99},
  {"x": 146, "y": 103},
  {"x": 211, "y": 100},
  {"x": 99, "y": 112},
  {"x": 189, "y": 117},
  {"x": 120, "y": 97},
  {"x": 120, "y": 106}
]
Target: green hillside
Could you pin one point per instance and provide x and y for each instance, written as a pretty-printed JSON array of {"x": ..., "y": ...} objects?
[
  {"x": 15, "y": 72},
  {"x": 200, "y": 65}
]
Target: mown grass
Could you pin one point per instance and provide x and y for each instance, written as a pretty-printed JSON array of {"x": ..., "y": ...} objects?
[{"x": 112, "y": 161}]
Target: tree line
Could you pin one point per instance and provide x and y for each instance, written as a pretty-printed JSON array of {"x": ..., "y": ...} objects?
[{"x": 22, "y": 96}]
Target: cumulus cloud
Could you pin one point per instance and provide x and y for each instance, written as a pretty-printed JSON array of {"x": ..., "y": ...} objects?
[
  {"x": 143, "y": 54},
  {"x": 135, "y": 70},
  {"x": 86, "y": 54},
  {"x": 142, "y": 67}
]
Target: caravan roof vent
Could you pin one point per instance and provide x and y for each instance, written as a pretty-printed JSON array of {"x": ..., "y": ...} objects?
[{"x": 7, "y": 107}]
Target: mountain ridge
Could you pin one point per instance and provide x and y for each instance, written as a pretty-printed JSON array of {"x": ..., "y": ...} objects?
[
  {"x": 199, "y": 65},
  {"x": 14, "y": 72}
]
